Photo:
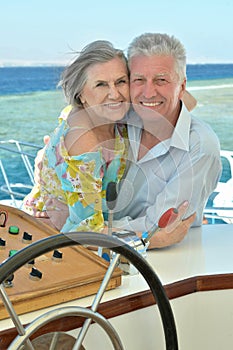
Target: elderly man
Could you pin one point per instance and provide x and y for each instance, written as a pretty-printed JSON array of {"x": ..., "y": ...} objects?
[{"x": 175, "y": 157}]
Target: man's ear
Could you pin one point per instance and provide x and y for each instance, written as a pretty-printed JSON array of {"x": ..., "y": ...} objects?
[
  {"x": 189, "y": 101},
  {"x": 183, "y": 88}
]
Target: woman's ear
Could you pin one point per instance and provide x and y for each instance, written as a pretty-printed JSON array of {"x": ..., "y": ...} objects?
[{"x": 81, "y": 99}]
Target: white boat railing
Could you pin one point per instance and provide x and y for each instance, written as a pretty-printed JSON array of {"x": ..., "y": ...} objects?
[
  {"x": 219, "y": 213},
  {"x": 27, "y": 152}
]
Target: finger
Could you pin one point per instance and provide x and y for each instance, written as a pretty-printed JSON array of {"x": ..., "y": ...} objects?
[
  {"x": 46, "y": 139},
  {"x": 190, "y": 219},
  {"x": 172, "y": 226},
  {"x": 181, "y": 212},
  {"x": 183, "y": 208},
  {"x": 41, "y": 214}
]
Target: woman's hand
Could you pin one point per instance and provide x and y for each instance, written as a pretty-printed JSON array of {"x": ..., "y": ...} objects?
[
  {"x": 55, "y": 215},
  {"x": 39, "y": 162}
]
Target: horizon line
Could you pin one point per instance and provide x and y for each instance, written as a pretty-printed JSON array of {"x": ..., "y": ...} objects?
[{"x": 20, "y": 63}]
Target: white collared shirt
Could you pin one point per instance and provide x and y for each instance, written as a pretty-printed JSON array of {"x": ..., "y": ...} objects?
[{"x": 186, "y": 166}]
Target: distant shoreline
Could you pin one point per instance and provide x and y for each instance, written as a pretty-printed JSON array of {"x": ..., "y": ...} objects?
[{"x": 63, "y": 64}]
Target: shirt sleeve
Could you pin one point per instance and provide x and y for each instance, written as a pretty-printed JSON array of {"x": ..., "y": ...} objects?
[{"x": 194, "y": 179}]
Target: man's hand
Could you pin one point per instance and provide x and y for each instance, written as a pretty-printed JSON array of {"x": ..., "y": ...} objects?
[{"x": 173, "y": 233}]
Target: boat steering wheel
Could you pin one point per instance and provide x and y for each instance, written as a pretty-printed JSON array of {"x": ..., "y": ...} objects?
[{"x": 22, "y": 341}]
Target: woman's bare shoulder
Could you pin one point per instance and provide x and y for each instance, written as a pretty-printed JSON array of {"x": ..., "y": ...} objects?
[
  {"x": 80, "y": 138},
  {"x": 78, "y": 118}
]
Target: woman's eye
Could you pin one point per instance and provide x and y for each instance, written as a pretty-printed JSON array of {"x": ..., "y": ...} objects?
[
  {"x": 100, "y": 84},
  {"x": 122, "y": 81}
]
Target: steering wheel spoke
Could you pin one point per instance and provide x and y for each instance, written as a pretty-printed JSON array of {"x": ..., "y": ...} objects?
[{"x": 118, "y": 248}]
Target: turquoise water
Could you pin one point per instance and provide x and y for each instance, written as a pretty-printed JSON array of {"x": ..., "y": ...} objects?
[
  {"x": 29, "y": 116},
  {"x": 215, "y": 106},
  {"x": 32, "y": 115}
]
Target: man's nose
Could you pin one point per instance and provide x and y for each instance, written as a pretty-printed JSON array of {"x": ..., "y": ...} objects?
[{"x": 149, "y": 90}]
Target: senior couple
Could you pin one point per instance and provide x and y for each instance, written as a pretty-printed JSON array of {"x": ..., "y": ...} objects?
[{"x": 127, "y": 121}]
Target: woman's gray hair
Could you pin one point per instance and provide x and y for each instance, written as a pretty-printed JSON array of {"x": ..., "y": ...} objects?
[
  {"x": 74, "y": 76},
  {"x": 162, "y": 45}
]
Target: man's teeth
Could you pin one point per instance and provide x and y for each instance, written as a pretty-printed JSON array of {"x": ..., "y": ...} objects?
[{"x": 150, "y": 104}]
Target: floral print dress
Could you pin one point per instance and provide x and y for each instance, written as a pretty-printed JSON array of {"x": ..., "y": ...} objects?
[{"x": 80, "y": 181}]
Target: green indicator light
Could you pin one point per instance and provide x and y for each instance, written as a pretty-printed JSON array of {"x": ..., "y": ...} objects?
[
  {"x": 12, "y": 252},
  {"x": 14, "y": 230}
]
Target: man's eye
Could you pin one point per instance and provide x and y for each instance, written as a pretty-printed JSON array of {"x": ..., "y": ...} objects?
[
  {"x": 161, "y": 81},
  {"x": 137, "y": 80}
]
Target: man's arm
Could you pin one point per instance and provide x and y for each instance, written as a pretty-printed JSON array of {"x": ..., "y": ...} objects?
[{"x": 194, "y": 180}]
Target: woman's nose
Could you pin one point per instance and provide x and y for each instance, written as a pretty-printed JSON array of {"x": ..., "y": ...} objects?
[{"x": 113, "y": 92}]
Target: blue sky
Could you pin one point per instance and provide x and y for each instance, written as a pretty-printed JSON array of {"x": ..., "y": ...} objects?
[{"x": 46, "y": 31}]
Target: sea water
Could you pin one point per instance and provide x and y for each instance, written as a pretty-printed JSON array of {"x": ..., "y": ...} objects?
[
  {"x": 215, "y": 106},
  {"x": 30, "y": 102}
]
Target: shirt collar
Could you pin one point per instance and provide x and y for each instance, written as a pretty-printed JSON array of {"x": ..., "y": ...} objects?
[{"x": 180, "y": 136}]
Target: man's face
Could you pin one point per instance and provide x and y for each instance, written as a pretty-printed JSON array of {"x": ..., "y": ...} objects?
[{"x": 155, "y": 85}]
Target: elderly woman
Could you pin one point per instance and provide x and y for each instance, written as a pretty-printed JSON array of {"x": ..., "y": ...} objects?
[{"x": 89, "y": 147}]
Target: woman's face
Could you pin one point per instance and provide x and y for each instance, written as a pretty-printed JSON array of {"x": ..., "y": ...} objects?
[{"x": 107, "y": 89}]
